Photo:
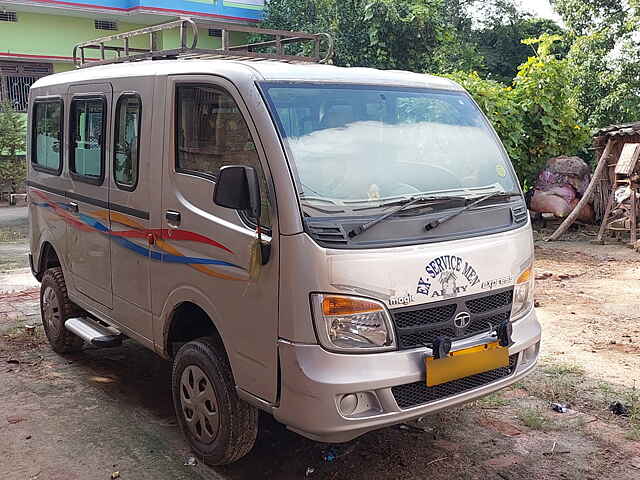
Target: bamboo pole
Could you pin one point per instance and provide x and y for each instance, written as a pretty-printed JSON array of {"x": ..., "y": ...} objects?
[{"x": 602, "y": 164}]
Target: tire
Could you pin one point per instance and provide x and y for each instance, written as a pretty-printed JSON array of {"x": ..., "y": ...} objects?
[
  {"x": 55, "y": 309},
  {"x": 228, "y": 426}
]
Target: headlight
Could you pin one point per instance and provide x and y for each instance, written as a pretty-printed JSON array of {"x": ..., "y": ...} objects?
[
  {"x": 522, "y": 294},
  {"x": 351, "y": 324}
]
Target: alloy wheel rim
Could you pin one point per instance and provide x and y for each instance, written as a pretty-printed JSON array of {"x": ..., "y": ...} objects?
[
  {"x": 199, "y": 404},
  {"x": 51, "y": 309}
]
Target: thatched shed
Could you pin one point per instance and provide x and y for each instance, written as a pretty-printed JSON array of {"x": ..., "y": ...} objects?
[{"x": 620, "y": 135}]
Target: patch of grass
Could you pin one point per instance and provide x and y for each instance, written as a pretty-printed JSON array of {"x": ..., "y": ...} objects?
[
  {"x": 532, "y": 417},
  {"x": 560, "y": 369},
  {"x": 606, "y": 389},
  {"x": 562, "y": 383},
  {"x": 561, "y": 389},
  {"x": 495, "y": 400},
  {"x": 632, "y": 398}
]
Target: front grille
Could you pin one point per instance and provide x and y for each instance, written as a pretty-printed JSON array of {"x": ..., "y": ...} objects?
[
  {"x": 417, "y": 327},
  {"x": 490, "y": 302},
  {"x": 429, "y": 315},
  {"x": 414, "y": 394}
]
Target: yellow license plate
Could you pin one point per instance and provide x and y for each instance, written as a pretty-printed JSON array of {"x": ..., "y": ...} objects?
[{"x": 464, "y": 363}]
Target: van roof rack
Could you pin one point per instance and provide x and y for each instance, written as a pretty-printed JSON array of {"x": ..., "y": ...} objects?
[{"x": 317, "y": 48}]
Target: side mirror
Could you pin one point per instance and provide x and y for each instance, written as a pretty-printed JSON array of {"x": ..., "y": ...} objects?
[{"x": 237, "y": 187}]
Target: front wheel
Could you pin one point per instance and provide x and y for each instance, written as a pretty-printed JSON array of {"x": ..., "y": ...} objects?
[
  {"x": 56, "y": 308},
  {"x": 220, "y": 427}
]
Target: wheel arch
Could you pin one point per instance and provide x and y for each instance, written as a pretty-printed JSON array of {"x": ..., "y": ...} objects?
[
  {"x": 48, "y": 257},
  {"x": 187, "y": 315}
]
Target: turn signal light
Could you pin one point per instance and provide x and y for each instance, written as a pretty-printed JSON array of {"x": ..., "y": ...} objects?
[
  {"x": 341, "y": 305},
  {"x": 525, "y": 276}
]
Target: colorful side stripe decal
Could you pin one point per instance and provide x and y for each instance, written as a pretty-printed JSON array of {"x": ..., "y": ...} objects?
[{"x": 92, "y": 222}]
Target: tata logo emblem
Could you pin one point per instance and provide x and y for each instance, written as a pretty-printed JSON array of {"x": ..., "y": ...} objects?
[{"x": 462, "y": 320}]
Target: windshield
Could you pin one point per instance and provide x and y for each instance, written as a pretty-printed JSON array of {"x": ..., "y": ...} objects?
[{"x": 354, "y": 146}]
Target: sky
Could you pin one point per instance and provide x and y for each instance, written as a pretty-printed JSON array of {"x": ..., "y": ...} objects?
[{"x": 540, "y": 8}]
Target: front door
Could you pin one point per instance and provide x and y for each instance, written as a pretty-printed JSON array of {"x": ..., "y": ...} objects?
[
  {"x": 207, "y": 247},
  {"x": 88, "y": 249}
]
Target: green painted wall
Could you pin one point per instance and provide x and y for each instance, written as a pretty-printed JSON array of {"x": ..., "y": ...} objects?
[
  {"x": 62, "y": 67},
  {"x": 55, "y": 35},
  {"x": 40, "y": 34}
]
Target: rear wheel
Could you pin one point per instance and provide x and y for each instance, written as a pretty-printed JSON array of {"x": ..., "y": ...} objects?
[
  {"x": 56, "y": 308},
  {"x": 220, "y": 427}
]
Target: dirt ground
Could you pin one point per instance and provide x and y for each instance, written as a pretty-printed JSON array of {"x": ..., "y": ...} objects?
[{"x": 88, "y": 415}]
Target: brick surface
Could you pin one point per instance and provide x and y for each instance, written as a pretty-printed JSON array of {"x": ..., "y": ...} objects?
[{"x": 19, "y": 306}]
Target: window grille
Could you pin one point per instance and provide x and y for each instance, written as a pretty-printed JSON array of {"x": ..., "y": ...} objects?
[
  {"x": 15, "y": 80},
  {"x": 105, "y": 25},
  {"x": 6, "y": 16},
  {"x": 215, "y": 32}
]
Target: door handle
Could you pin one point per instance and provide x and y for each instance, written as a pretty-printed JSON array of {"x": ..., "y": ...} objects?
[
  {"x": 73, "y": 206},
  {"x": 173, "y": 218}
]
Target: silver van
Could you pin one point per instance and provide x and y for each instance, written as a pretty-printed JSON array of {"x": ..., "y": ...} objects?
[{"x": 344, "y": 248}]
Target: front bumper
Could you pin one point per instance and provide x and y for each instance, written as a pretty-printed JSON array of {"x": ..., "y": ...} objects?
[{"x": 314, "y": 381}]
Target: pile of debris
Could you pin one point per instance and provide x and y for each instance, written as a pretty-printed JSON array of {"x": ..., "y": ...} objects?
[{"x": 559, "y": 187}]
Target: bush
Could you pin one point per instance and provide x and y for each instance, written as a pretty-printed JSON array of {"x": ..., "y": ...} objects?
[{"x": 13, "y": 169}]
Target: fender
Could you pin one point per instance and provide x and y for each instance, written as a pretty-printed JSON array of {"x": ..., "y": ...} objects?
[
  {"x": 38, "y": 267},
  {"x": 162, "y": 322}
]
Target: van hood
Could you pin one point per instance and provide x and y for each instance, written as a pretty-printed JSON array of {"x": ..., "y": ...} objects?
[{"x": 418, "y": 274}]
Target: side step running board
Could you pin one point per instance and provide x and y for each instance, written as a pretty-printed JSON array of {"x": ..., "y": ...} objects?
[{"x": 94, "y": 333}]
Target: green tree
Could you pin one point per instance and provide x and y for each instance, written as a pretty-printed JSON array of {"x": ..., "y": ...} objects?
[
  {"x": 605, "y": 58},
  {"x": 584, "y": 17},
  {"x": 418, "y": 35},
  {"x": 544, "y": 91},
  {"x": 500, "y": 42},
  {"x": 12, "y": 142},
  {"x": 607, "y": 84}
]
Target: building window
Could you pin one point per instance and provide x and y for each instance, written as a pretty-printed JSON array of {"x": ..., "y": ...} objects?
[
  {"x": 46, "y": 146},
  {"x": 215, "y": 32},
  {"x": 127, "y": 141},
  {"x": 15, "y": 80},
  {"x": 87, "y": 123},
  {"x": 6, "y": 16},
  {"x": 105, "y": 25}
]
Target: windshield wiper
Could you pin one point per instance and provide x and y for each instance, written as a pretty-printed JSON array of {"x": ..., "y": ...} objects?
[
  {"x": 403, "y": 201},
  {"x": 402, "y": 205},
  {"x": 439, "y": 221}
]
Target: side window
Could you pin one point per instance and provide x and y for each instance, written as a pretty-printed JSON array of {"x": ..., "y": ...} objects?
[
  {"x": 87, "y": 123},
  {"x": 211, "y": 133},
  {"x": 127, "y": 141},
  {"x": 46, "y": 146}
]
